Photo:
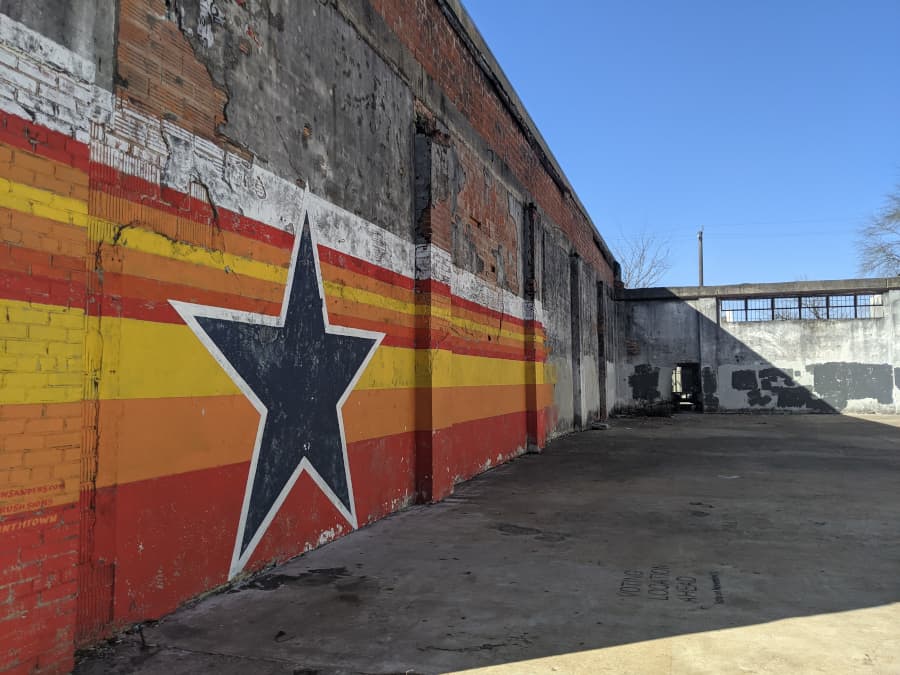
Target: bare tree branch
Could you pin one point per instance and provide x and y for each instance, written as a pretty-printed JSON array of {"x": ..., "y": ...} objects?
[
  {"x": 644, "y": 258},
  {"x": 879, "y": 241}
]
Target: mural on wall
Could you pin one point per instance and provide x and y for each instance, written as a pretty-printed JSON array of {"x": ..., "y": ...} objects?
[
  {"x": 207, "y": 368},
  {"x": 297, "y": 370}
]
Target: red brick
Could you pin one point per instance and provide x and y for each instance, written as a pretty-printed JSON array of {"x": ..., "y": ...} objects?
[{"x": 58, "y": 592}]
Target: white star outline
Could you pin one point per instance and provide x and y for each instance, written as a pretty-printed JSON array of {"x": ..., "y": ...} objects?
[{"x": 189, "y": 313}]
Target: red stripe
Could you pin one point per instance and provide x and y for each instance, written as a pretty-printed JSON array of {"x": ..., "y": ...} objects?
[
  {"x": 360, "y": 266},
  {"x": 153, "y": 305},
  {"x": 148, "y": 299},
  {"x": 137, "y": 190},
  {"x": 16, "y": 285},
  {"x": 438, "y": 288},
  {"x": 461, "y": 451},
  {"x": 143, "y": 192},
  {"x": 487, "y": 311},
  {"x": 432, "y": 286},
  {"x": 40, "y": 140},
  {"x": 182, "y": 527}
]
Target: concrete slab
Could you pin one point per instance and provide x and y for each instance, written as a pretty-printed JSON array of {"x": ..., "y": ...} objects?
[{"x": 697, "y": 544}]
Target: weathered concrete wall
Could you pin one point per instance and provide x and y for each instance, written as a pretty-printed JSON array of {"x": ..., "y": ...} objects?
[
  {"x": 88, "y": 29},
  {"x": 837, "y": 365},
  {"x": 269, "y": 271}
]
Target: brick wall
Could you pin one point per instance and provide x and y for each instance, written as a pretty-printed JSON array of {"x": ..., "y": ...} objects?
[
  {"x": 423, "y": 28},
  {"x": 122, "y": 212},
  {"x": 43, "y": 301},
  {"x": 158, "y": 71}
]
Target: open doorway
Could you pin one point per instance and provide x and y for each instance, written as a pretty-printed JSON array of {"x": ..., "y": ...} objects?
[{"x": 686, "y": 392}]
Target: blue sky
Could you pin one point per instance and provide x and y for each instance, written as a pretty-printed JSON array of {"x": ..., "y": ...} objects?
[{"x": 774, "y": 124}]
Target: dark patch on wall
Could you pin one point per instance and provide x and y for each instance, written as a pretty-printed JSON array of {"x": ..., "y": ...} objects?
[
  {"x": 897, "y": 377},
  {"x": 800, "y": 397},
  {"x": 644, "y": 383},
  {"x": 777, "y": 385},
  {"x": 756, "y": 397},
  {"x": 769, "y": 377},
  {"x": 838, "y": 382},
  {"x": 710, "y": 387},
  {"x": 744, "y": 380}
]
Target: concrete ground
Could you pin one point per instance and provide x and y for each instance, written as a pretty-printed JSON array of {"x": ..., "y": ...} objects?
[{"x": 697, "y": 544}]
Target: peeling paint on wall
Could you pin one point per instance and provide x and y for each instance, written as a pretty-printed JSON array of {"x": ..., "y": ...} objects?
[{"x": 153, "y": 240}]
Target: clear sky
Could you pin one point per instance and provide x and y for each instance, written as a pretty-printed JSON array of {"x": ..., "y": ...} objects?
[{"x": 774, "y": 124}]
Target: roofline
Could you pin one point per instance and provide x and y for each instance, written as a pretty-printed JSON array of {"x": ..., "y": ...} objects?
[
  {"x": 825, "y": 287},
  {"x": 471, "y": 37}
]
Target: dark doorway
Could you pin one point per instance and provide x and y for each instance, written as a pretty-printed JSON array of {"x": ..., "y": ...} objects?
[{"x": 686, "y": 391}]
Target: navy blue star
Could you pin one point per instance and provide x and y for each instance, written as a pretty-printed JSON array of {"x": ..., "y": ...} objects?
[{"x": 299, "y": 369}]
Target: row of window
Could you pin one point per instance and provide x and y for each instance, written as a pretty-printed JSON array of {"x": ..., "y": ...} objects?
[{"x": 812, "y": 307}]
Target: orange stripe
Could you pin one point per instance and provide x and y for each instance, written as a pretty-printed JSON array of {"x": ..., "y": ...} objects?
[
  {"x": 185, "y": 229},
  {"x": 363, "y": 282},
  {"x": 140, "y": 264},
  {"x": 491, "y": 320},
  {"x": 41, "y": 172},
  {"x": 148, "y": 438},
  {"x": 25, "y": 229},
  {"x": 456, "y": 405}
]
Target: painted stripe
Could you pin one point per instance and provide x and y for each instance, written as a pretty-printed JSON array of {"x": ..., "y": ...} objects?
[
  {"x": 206, "y": 432},
  {"x": 156, "y": 244},
  {"x": 31, "y": 168},
  {"x": 169, "y": 271},
  {"x": 25, "y": 135},
  {"x": 142, "y": 359},
  {"x": 27, "y": 287},
  {"x": 182, "y": 527},
  {"x": 351, "y": 263},
  {"x": 134, "y": 297},
  {"x": 40, "y": 353},
  {"x": 465, "y": 450},
  {"x": 123, "y": 191},
  {"x": 179, "y": 225},
  {"x": 43, "y": 203},
  {"x": 28, "y": 199},
  {"x": 61, "y": 209}
]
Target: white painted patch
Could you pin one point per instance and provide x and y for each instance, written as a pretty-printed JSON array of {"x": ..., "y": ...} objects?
[
  {"x": 43, "y": 50},
  {"x": 44, "y": 82},
  {"x": 208, "y": 14}
]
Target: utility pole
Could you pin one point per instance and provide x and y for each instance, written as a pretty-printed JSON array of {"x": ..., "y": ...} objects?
[{"x": 700, "y": 253}]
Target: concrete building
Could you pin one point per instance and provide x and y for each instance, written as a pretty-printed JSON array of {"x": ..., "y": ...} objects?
[
  {"x": 271, "y": 271},
  {"x": 827, "y": 346}
]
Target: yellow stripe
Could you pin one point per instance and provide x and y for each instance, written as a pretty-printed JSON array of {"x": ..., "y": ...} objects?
[
  {"x": 67, "y": 210},
  {"x": 46, "y": 204},
  {"x": 43, "y": 203},
  {"x": 41, "y": 349},
  {"x": 363, "y": 297},
  {"x": 144, "y": 359},
  {"x": 150, "y": 242}
]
